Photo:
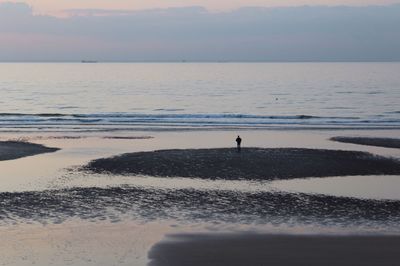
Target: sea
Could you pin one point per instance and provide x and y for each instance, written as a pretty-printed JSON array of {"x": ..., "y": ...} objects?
[{"x": 86, "y": 97}]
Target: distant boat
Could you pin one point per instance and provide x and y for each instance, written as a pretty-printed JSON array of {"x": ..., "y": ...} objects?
[{"x": 88, "y": 61}]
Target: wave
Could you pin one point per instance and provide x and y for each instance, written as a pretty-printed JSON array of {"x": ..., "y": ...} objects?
[
  {"x": 39, "y": 114},
  {"x": 168, "y": 120},
  {"x": 139, "y": 115}
]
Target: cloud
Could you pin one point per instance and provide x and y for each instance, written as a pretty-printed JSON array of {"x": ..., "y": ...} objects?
[
  {"x": 247, "y": 34},
  {"x": 15, "y": 9}
]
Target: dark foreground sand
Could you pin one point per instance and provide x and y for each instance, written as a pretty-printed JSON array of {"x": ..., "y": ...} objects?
[
  {"x": 185, "y": 205},
  {"x": 379, "y": 142},
  {"x": 251, "y": 163},
  {"x": 193, "y": 205},
  {"x": 10, "y": 150},
  {"x": 276, "y": 250}
]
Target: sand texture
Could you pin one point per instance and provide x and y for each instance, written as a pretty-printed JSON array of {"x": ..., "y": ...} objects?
[
  {"x": 251, "y": 163},
  {"x": 97, "y": 204},
  {"x": 277, "y": 250},
  {"x": 10, "y": 150},
  {"x": 379, "y": 142}
]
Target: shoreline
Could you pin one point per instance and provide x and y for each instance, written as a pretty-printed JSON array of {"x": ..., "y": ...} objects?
[{"x": 102, "y": 129}]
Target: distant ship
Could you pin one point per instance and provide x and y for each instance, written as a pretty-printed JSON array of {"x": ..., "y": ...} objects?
[{"x": 88, "y": 61}]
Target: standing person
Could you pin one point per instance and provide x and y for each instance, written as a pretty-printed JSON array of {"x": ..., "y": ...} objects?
[{"x": 238, "y": 142}]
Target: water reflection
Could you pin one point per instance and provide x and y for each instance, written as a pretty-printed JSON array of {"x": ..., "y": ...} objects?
[
  {"x": 43, "y": 189},
  {"x": 79, "y": 179}
]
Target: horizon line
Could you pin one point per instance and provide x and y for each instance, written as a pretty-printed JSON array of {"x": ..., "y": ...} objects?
[{"x": 198, "y": 61}]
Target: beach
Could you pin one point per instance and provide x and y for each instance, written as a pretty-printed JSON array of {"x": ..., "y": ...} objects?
[{"x": 237, "y": 217}]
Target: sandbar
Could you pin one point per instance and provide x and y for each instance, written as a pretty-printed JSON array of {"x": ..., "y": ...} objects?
[
  {"x": 10, "y": 150},
  {"x": 378, "y": 142},
  {"x": 250, "y": 163}
]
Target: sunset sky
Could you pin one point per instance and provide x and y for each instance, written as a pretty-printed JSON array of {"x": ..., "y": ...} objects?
[
  {"x": 252, "y": 30},
  {"x": 57, "y": 6}
]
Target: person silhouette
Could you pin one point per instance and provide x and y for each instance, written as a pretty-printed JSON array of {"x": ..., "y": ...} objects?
[{"x": 238, "y": 142}]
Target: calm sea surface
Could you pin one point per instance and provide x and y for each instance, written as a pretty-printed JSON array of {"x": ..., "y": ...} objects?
[{"x": 99, "y": 97}]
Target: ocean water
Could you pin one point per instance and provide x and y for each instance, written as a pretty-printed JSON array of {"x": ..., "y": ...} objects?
[{"x": 165, "y": 96}]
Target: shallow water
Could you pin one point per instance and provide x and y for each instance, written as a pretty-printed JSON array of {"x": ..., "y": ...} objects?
[
  {"x": 52, "y": 213},
  {"x": 58, "y": 170},
  {"x": 366, "y": 187}
]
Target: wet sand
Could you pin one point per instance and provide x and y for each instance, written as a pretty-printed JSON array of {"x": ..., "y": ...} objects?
[
  {"x": 10, "y": 150},
  {"x": 277, "y": 250},
  {"x": 115, "y": 203},
  {"x": 378, "y": 142},
  {"x": 94, "y": 223},
  {"x": 251, "y": 163},
  {"x": 80, "y": 243}
]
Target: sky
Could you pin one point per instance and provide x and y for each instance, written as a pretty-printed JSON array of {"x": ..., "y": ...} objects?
[
  {"x": 252, "y": 30},
  {"x": 57, "y": 6}
]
